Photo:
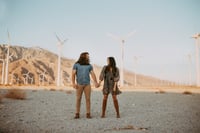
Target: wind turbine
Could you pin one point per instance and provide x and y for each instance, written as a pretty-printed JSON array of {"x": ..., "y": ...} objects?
[
  {"x": 196, "y": 37},
  {"x": 135, "y": 62},
  {"x": 122, "y": 41},
  {"x": 31, "y": 78},
  {"x": 41, "y": 77},
  {"x": 26, "y": 77},
  {"x": 60, "y": 44}
]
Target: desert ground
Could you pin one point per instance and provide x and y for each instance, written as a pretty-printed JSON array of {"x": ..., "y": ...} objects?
[{"x": 142, "y": 111}]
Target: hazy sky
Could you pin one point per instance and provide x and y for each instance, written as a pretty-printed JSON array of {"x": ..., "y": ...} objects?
[{"x": 162, "y": 39}]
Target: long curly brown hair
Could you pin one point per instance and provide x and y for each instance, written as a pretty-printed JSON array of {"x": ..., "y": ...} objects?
[
  {"x": 111, "y": 65},
  {"x": 83, "y": 59}
]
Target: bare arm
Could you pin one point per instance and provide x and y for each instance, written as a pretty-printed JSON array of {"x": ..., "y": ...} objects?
[
  {"x": 73, "y": 79},
  {"x": 94, "y": 78},
  {"x": 102, "y": 75}
]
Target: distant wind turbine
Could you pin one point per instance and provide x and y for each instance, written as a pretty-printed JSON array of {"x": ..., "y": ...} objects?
[
  {"x": 122, "y": 41},
  {"x": 196, "y": 37},
  {"x": 60, "y": 44},
  {"x": 31, "y": 78},
  {"x": 135, "y": 62},
  {"x": 42, "y": 77},
  {"x": 26, "y": 77}
]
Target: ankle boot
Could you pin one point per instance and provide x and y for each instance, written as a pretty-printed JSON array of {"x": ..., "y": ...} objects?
[
  {"x": 116, "y": 108},
  {"x": 76, "y": 116},
  {"x": 103, "y": 108},
  {"x": 88, "y": 116}
]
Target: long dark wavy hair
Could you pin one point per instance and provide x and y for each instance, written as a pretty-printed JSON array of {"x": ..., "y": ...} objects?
[
  {"x": 83, "y": 60},
  {"x": 111, "y": 65}
]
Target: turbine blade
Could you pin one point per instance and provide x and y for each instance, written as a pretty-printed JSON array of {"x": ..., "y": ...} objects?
[
  {"x": 113, "y": 36},
  {"x": 57, "y": 38},
  {"x": 129, "y": 35},
  {"x": 64, "y": 41}
]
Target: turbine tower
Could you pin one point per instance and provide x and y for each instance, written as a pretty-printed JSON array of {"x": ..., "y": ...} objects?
[
  {"x": 60, "y": 44},
  {"x": 135, "y": 62},
  {"x": 3, "y": 69},
  {"x": 122, "y": 41},
  {"x": 196, "y": 37},
  {"x": 190, "y": 66},
  {"x": 7, "y": 59}
]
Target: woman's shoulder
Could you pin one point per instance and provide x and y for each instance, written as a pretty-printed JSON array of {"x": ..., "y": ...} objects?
[
  {"x": 117, "y": 68},
  {"x": 104, "y": 67}
]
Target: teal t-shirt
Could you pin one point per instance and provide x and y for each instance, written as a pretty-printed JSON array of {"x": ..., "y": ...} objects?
[{"x": 82, "y": 73}]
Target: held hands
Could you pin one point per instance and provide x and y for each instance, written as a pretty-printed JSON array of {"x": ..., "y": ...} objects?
[
  {"x": 74, "y": 86},
  {"x": 97, "y": 85}
]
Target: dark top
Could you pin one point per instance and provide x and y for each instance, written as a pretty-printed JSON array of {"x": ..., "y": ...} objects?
[{"x": 109, "y": 79}]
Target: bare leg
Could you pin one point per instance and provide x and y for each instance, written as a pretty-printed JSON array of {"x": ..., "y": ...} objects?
[
  {"x": 115, "y": 101},
  {"x": 105, "y": 97}
]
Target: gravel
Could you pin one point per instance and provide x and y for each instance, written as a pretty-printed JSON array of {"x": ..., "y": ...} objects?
[{"x": 45, "y": 111}]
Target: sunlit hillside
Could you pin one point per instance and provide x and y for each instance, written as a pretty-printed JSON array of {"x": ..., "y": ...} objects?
[{"x": 37, "y": 66}]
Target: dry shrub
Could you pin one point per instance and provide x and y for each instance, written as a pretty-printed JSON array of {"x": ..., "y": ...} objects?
[
  {"x": 187, "y": 93},
  {"x": 69, "y": 92},
  {"x": 61, "y": 90},
  {"x": 160, "y": 91},
  {"x": 52, "y": 89},
  {"x": 16, "y": 94},
  {"x": 128, "y": 127}
]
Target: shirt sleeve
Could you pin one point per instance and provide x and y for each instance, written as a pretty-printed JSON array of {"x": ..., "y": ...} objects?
[
  {"x": 117, "y": 76},
  {"x": 90, "y": 68},
  {"x": 75, "y": 67}
]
